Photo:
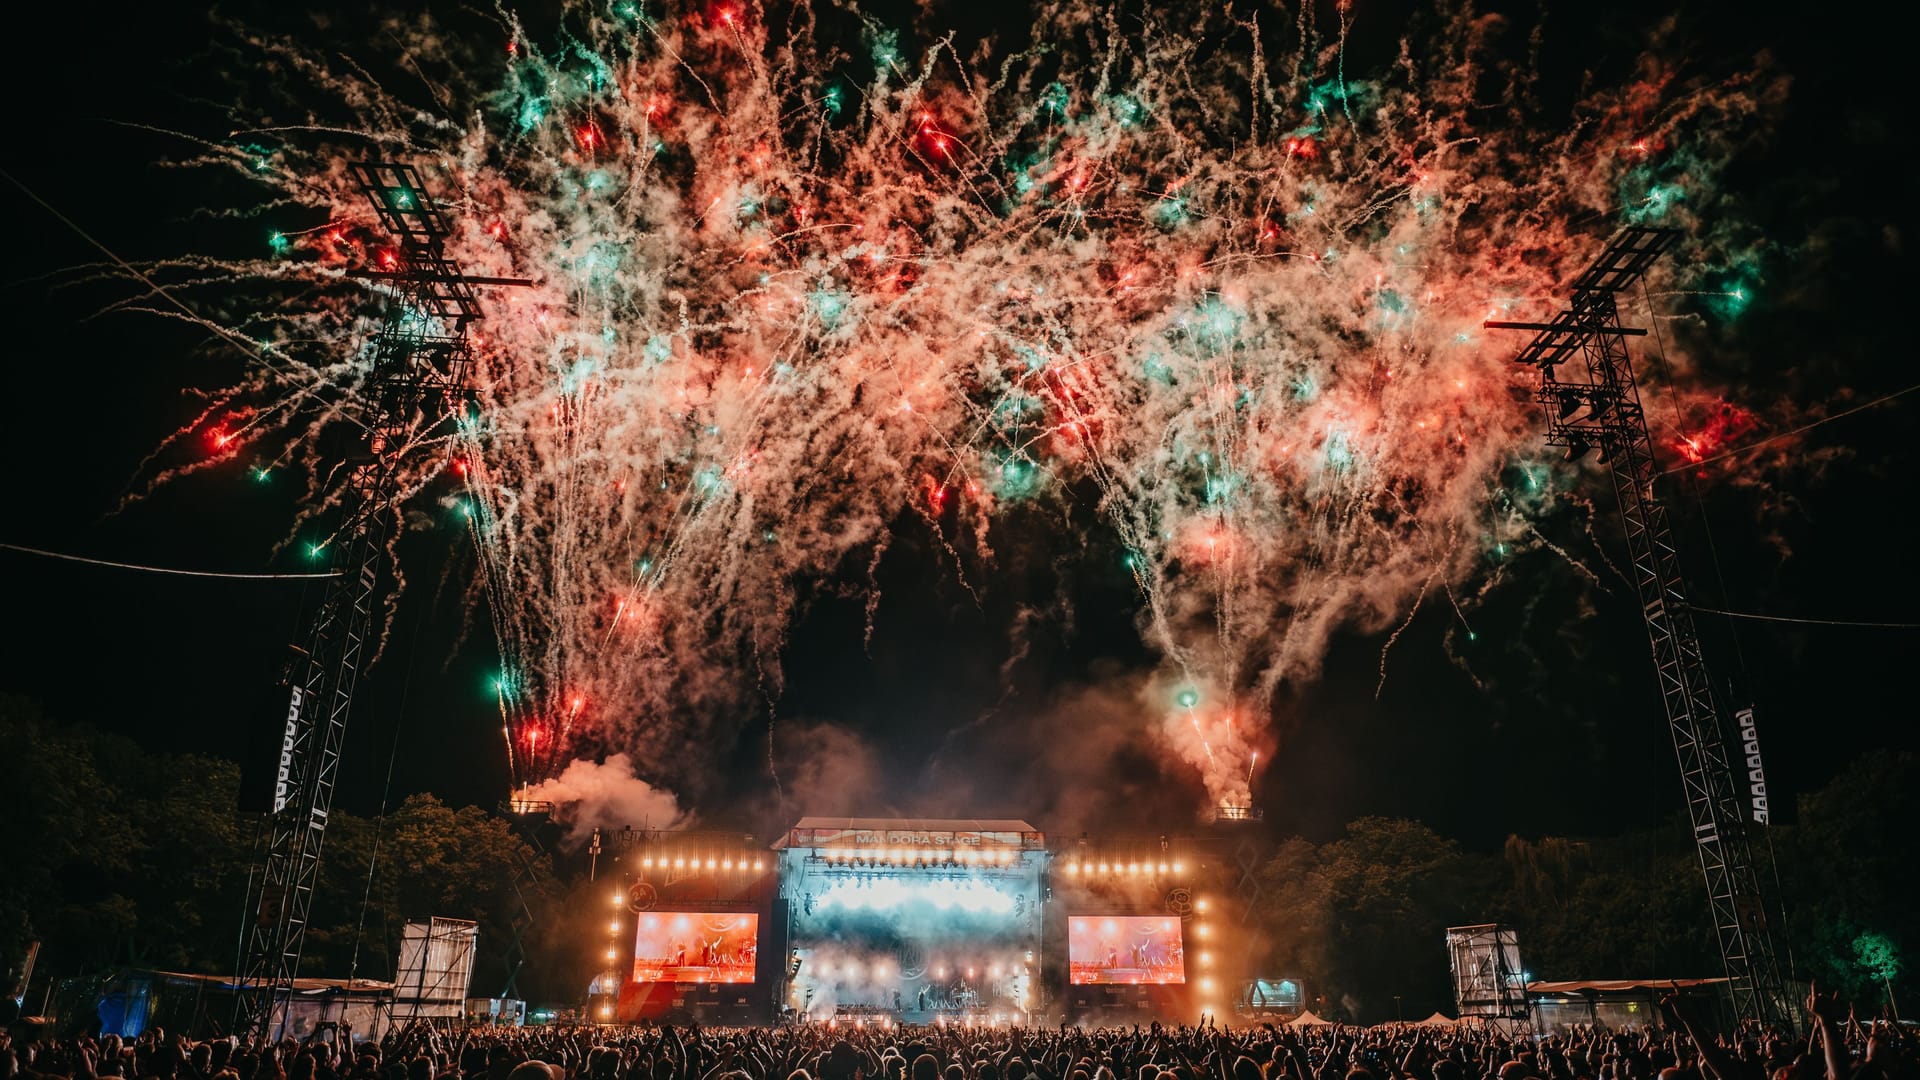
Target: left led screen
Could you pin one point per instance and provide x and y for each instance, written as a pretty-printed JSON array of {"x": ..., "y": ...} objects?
[{"x": 695, "y": 947}]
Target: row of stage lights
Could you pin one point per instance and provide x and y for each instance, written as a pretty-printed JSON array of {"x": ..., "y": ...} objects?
[
  {"x": 909, "y": 857},
  {"x": 613, "y": 979},
  {"x": 1135, "y": 869},
  {"x": 881, "y": 971},
  {"x": 904, "y": 857},
  {"x": 681, "y": 862},
  {"x": 1204, "y": 984}
]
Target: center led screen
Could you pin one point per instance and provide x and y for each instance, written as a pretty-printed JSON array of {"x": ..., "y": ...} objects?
[
  {"x": 1124, "y": 949},
  {"x": 941, "y": 938},
  {"x": 695, "y": 947}
]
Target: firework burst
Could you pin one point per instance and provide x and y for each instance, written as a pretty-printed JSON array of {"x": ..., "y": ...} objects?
[{"x": 802, "y": 278}]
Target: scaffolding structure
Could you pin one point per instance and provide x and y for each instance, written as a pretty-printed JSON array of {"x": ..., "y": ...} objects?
[
  {"x": 436, "y": 968},
  {"x": 1603, "y": 412},
  {"x": 416, "y": 378},
  {"x": 1489, "y": 985}
]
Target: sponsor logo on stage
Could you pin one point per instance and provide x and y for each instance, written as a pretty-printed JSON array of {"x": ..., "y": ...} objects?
[
  {"x": 282, "y": 786},
  {"x": 1756, "y": 775}
]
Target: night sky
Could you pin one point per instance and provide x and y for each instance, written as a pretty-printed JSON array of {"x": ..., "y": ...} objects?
[{"x": 1566, "y": 737}]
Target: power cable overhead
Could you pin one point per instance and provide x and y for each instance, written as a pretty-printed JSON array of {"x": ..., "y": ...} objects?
[
  {"x": 1853, "y": 623},
  {"x": 236, "y": 575}
]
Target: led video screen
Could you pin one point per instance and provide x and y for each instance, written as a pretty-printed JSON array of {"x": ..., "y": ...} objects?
[
  {"x": 695, "y": 947},
  {"x": 1125, "y": 950}
]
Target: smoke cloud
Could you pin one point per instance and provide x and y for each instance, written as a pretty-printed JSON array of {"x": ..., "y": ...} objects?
[
  {"x": 589, "y": 795},
  {"x": 1086, "y": 756},
  {"x": 826, "y": 769}
]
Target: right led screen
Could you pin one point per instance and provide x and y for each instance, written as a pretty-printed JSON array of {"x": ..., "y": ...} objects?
[{"x": 1125, "y": 950}]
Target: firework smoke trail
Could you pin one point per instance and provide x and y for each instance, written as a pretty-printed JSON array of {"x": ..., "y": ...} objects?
[{"x": 787, "y": 293}]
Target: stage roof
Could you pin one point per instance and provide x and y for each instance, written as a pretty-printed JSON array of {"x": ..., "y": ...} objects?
[
  {"x": 863, "y": 824},
  {"x": 808, "y": 828}
]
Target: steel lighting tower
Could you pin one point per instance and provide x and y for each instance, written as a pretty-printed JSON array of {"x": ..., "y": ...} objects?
[
  {"x": 1603, "y": 412},
  {"x": 416, "y": 378}
]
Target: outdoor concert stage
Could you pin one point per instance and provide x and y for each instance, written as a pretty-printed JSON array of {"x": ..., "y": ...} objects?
[{"x": 872, "y": 921}]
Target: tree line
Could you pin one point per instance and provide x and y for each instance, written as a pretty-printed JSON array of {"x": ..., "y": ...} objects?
[
  {"x": 117, "y": 856},
  {"x": 112, "y": 855},
  {"x": 1361, "y": 918}
]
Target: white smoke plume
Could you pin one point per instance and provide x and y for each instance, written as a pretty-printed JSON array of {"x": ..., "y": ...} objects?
[{"x": 589, "y": 795}]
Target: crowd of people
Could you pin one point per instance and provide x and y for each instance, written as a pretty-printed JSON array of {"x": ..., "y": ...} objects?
[{"x": 1838, "y": 1047}]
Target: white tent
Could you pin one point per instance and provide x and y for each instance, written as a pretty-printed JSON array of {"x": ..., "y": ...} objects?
[
  {"x": 1307, "y": 1019},
  {"x": 1436, "y": 1020}
]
